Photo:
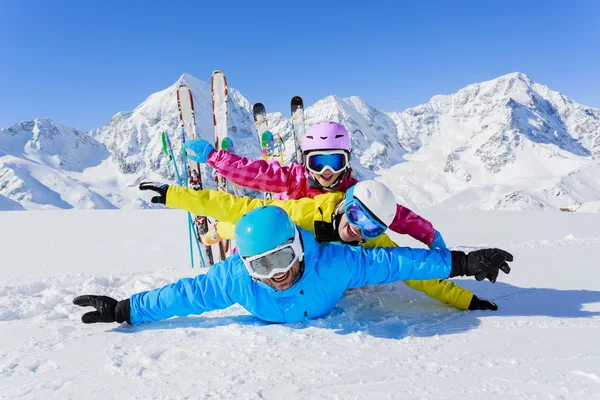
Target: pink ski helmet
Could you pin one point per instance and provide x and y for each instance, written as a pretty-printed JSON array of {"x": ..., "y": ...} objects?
[{"x": 326, "y": 135}]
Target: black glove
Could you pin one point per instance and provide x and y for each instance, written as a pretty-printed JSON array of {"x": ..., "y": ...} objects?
[
  {"x": 107, "y": 309},
  {"x": 482, "y": 264},
  {"x": 482, "y": 304},
  {"x": 160, "y": 188}
]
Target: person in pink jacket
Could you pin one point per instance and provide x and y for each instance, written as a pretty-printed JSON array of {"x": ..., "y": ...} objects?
[{"x": 327, "y": 150}]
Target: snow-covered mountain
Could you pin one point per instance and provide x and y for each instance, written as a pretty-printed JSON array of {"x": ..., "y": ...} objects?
[
  {"x": 508, "y": 143},
  {"x": 134, "y": 138},
  {"x": 40, "y": 165},
  {"x": 7, "y": 204}
]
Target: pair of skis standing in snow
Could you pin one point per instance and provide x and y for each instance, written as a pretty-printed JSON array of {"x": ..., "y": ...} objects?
[
  {"x": 290, "y": 266},
  {"x": 199, "y": 225},
  {"x": 272, "y": 146}
]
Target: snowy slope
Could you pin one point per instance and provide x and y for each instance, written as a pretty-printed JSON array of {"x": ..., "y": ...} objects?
[
  {"x": 7, "y": 204},
  {"x": 508, "y": 143},
  {"x": 380, "y": 342},
  {"x": 40, "y": 162}
]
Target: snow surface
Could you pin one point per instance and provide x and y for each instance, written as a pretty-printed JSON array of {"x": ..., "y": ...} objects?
[{"x": 379, "y": 342}]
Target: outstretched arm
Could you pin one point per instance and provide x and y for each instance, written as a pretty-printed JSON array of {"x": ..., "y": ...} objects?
[
  {"x": 221, "y": 206},
  {"x": 226, "y": 207},
  {"x": 440, "y": 289},
  {"x": 206, "y": 292},
  {"x": 258, "y": 174},
  {"x": 371, "y": 266},
  {"x": 385, "y": 265},
  {"x": 187, "y": 296},
  {"x": 254, "y": 174}
]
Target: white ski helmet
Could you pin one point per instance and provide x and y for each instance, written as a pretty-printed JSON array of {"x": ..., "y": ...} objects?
[{"x": 378, "y": 198}]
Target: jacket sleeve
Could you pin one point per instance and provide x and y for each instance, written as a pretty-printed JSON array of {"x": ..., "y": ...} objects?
[
  {"x": 226, "y": 207},
  {"x": 407, "y": 222},
  {"x": 258, "y": 174},
  {"x": 445, "y": 291},
  {"x": 187, "y": 296},
  {"x": 222, "y": 206},
  {"x": 379, "y": 265}
]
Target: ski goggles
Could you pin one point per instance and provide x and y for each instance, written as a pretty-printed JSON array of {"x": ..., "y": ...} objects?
[
  {"x": 275, "y": 261},
  {"x": 319, "y": 161},
  {"x": 359, "y": 216}
]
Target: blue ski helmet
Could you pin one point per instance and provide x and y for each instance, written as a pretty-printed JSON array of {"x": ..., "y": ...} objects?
[{"x": 262, "y": 230}]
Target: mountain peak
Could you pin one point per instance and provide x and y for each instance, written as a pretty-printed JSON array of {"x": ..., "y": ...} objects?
[
  {"x": 516, "y": 75},
  {"x": 38, "y": 126},
  {"x": 189, "y": 80}
]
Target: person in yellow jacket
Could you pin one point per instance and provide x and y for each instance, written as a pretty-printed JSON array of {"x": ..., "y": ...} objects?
[{"x": 325, "y": 215}]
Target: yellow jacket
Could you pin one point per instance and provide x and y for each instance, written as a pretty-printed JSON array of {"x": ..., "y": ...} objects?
[{"x": 313, "y": 214}]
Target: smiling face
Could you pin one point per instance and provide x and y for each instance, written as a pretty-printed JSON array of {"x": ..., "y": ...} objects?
[
  {"x": 327, "y": 178},
  {"x": 348, "y": 233},
  {"x": 284, "y": 280}
]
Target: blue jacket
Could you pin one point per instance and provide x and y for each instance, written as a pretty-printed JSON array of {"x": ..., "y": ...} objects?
[{"x": 329, "y": 269}]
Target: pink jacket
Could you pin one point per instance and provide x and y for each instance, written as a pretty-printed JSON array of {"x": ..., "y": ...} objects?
[{"x": 292, "y": 182}]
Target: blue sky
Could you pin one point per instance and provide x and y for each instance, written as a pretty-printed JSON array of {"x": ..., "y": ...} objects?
[{"x": 80, "y": 62}]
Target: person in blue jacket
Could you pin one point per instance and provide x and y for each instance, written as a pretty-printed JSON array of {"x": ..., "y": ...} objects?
[{"x": 282, "y": 274}]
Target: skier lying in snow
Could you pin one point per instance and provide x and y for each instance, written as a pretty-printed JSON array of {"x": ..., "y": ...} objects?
[
  {"x": 327, "y": 149},
  {"x": 282, "y": 274},
  {"x": 360, "y": 216}
]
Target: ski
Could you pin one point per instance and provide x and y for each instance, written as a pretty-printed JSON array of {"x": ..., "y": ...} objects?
[
  {"x": 219, "y": 108},
  {"x": 192, "y": 172},
  {"x": 260, "y": 121},
  {"x": 265, "y": 137},
  {"x": 267, "y": 145},
  {"x": 227, "y": 145},
  {"x": 222, "y": 140},
  {"x": 297, "y": 107}
]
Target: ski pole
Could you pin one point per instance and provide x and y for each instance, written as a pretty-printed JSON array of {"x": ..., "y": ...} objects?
[{"x": 190, "y": 221}]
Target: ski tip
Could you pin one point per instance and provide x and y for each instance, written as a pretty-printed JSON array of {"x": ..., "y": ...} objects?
[
  {"x": 258, "y": 108},
  {"x": 183, "y": 88},
  {"x": 217, "y": 73},
  {"x": 227, "y": 145}
]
